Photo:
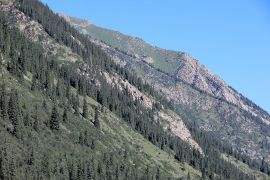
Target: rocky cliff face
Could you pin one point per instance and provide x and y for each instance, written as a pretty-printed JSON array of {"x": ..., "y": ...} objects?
[{"x": 198, "y": 76}]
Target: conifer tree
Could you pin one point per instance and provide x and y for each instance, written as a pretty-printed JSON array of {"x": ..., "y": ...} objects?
[
  {"x": 12, "y": 168},
  {"x": 3, "y": 101},
  {"x": 4, "y": 169},
  {"x": 158, "y": 177},
  {"x": 85, "y": 109},
  {"x": 36, "y": 124},
  {"x": 146, "y": 173},
  {"x": 96, "y": 119},
  {"x": 27, "y": 119},
  {"x": 188, "y": 176},
  {"x": 12, "y": 108},
  {"x": 54, "y": 121},
  {"x": 73, "y": 171},
  {"x": 93, "y": 144},
  {"x": 81, "y": 139},
  {"x": 203, "y": 174},
  {"x": 65, "y": 116},
  {"x": 58, "y": 89},
  {"x": 263, "y": 166},
  {"x": 30, "y": 158},
  {"x": 85, "y": 140},
  {"x": 89, "y": 172},
  {"x": 76, "y": 110},
  {"x": 76, "y": 103},
  {"x": 34, "y": 83},
  {"x": 67, "y": 91},
  {"x": 79, "y": 170},
  {"x": 14, "y": 114}
]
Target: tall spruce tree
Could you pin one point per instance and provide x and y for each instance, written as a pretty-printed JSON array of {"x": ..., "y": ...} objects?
[
  {"x": 36, "y": 124},
  {"x": 54, "y": 121},
  {"x": 14, "y": 114},
  {"x": 65, "y": 116},
  {"x": 188, "y": 176},
  {"x": 96, "y": 119},
  {"x": 76, "y": 104},
  {"x": 158, "y": 176},
  {"x": 3, "y": 100},
  {"x": 85, "y": 109},
  {"x": 4, "y": 167}
]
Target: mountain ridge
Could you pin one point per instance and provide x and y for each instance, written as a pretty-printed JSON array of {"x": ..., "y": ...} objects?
[
  {"x": 187, "y": 71},
  {"x": 193, "y": 65}
]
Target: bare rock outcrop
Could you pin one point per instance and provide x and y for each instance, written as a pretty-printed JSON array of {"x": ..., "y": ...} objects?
[
  {"x": 179, "y": 129},
  {"x": 198, "y": 76}
]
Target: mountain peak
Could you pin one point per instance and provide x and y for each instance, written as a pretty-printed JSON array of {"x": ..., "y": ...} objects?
[{"x": 74, "y": 20}]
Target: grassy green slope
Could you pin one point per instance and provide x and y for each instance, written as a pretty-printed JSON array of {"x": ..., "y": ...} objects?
[
  {"x": 165, "y": 60},
  {"x": 114, "y": 137},
  {"x": 244, "y": 167}
]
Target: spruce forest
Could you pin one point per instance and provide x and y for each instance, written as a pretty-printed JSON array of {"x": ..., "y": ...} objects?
[{"x": 62, "y": 119}]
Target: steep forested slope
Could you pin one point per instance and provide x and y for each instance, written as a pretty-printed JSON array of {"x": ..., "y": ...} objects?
[{"x": 65, "y": 119}]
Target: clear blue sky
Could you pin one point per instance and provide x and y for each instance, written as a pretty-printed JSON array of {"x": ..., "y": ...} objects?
[{"x": 230, "y": 37}]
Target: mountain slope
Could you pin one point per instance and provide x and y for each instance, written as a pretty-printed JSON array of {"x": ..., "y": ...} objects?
[
  {"x": 197, "y": 93},
  {"x": 78, "y": 115},
  {"x": 32, "y": 148},
  {"x": 114, "y": 138}
]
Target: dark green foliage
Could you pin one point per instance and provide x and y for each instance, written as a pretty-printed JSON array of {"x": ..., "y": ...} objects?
[
  {"x": 96, "y": 119},
  {"x": 93, "y": 145},
  {"x": 7, "y": 165},
  {"x": 65, "y": 116},
  {"x": 3, "y": 100},
  {"x": 34, "y": 84},
  {"x": 55, "y": 121},
  {"x": 27, "y": 119},
  {"x": 14, "y": 114},
  {"x": 76, "y": 103},
  {"x": 158, "y": 176},
  {"x": 85, "y": 109},
  {"x": 36, "y": 124},
  {"x": 3, "y": 165},
  {"x": 264, "y": 167},
  {"x": 81, "y": 138},
  {"x": 31, "y": 157},
  {"x": 188, "y": 177}
]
